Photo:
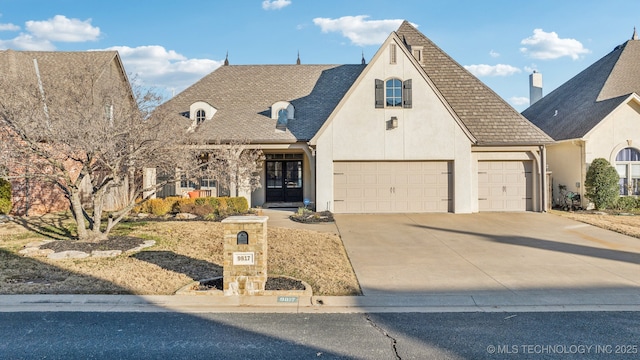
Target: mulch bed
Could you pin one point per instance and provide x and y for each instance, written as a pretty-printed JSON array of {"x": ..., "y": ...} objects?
[
  {"x": 122, "y": 243},
  {"x": 273, "y": 283},
  {"x": 313, "y": 217}
]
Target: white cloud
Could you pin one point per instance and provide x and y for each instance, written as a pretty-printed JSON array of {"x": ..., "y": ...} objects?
[
  {"x": 494, "y": 54},
  {"x": 519, "y": 100},
  {"x": 547, "y": 46},
  {"x": 9, "y": 27},
  {"x": 27, "y": 42},
  {"x": 158, "y": 67},
  {"x": 530, "y": 69},
  {"x": 275, "y": 4},
  {"x": 358, "y": 29},
  {"x": 492, "y": 70},
  {"x": 61, "y": 28}
]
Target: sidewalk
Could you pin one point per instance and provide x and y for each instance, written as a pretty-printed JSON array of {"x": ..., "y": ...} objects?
[{"x": 545, "y": 302}]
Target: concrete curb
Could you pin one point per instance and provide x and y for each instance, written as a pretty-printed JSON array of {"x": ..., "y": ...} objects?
[{"x": 315, "y": 304}]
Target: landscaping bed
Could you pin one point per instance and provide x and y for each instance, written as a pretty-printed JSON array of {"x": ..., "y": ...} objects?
[{"x": 184, "y": 252}]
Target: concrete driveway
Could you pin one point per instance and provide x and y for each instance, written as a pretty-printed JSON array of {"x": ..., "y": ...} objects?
[{"x": 491, "y": 254}]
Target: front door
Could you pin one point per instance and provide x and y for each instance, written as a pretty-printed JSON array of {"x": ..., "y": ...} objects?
[{"x": 284, "y": 181}]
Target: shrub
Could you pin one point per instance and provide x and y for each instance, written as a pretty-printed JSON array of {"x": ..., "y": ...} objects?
[
  {"x": 601, "y": 184},
  {"x": 238, "y": 205},
  {"x": 158, "y": 207},
  {"x": 626, "y": 203},
  {"x": 201, "y": 210},
  {"x": 182, "y": 204},
  {"x": 5, "y": 196}
]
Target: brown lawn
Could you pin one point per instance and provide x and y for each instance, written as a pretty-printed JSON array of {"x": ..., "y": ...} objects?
[{"x": 185, "y": 251}]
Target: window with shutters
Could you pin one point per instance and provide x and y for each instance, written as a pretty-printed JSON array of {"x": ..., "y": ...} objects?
[{"x": 393, "y": 93}]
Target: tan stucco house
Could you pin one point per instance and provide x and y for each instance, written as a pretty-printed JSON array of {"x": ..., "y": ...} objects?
[
  {"x": 411, "y": 131},
  {"x": 596, "y": 114}
]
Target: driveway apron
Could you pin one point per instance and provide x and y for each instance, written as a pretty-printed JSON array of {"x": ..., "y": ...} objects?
[{"x": 488, "y": 253}]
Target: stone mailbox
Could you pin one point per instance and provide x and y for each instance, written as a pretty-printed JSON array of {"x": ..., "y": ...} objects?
[{"x": 245, "y": 255}]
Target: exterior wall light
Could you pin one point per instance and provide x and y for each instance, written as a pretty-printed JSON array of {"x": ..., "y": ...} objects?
[{"x": 392, "y": 123}]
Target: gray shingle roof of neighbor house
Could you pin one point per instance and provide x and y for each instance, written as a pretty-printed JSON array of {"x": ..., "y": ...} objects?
[
  {"x": 243, "y": 95},
  {"x": 485, "y": 114},
  {"x": 577, "y": 106}
]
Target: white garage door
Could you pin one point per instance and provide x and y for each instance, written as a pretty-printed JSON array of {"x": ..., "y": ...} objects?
[
  {"x": 505, "y": 185},
  {"x": 388, "y": 186}
]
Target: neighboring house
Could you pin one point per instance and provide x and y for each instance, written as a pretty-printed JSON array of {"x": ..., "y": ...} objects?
[
  {"x": 46, "y": 75},
  {"x": 596, "y": 114},
  {"x": 412, "y": 131}
]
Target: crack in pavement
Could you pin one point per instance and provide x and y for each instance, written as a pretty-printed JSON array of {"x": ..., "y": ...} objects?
[{"x": 394, "y": 342}]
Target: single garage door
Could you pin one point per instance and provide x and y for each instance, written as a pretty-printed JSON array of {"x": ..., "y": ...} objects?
[
  {"x": 390, "y": 186},
  {"x": 505, "y": 185}
]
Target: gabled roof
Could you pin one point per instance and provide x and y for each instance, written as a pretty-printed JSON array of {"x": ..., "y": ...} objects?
[
  {"x": 54, "y": 66},
  {"x": 577, "y": 106},
  {"x": 243, "y": 94},
  {"x": 485, "y": 114}
]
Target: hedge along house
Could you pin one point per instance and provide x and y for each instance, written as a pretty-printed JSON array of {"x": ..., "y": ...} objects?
[
  {"x": 412, "y": 131},
  {"x": 596, "y": 114}
]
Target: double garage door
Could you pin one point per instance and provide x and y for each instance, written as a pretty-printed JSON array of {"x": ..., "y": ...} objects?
[
  {"x": 427, "y": 186},
  {"x": 390, "y": 186}
]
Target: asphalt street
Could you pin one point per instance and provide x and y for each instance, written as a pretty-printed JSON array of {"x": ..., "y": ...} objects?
[{"x": 478, "y": 335}]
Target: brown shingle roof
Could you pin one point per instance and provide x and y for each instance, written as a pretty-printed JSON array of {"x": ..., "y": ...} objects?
[
  {"x": 577, "y": 106},
  {"x": 54, "y": 64},
  {"x": 243, "y": 94},
  {"x": 487, "y": 116}
]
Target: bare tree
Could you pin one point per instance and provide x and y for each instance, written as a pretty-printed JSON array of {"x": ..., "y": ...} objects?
[
  {"x": 235, "y": 165},
  {"x": 90, "y": 134}
]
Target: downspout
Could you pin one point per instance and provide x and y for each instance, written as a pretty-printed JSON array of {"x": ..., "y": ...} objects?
[
  {"x": 543, "y": 175},
  {"x": 583, "y": 170}
]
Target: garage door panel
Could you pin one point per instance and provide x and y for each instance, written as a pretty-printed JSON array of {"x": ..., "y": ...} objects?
[
  {"x": 385, "y": 186},
  {"x": 505, "y": 185}
]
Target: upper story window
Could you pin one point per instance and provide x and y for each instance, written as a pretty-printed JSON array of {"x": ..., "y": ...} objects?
[
  {"x": 199, "y": 112},
  {"x": 393, "y": 93},
  {"x": 201, "y": 115},
  {"x": 281, "y": 124},
  {"x": 628, "y": 167}
]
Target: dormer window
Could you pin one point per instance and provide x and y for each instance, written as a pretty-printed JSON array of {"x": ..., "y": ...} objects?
[
  {"x": 282, "y": 120},
  {"x": 282, "y": 112},
  {"x": 200, "y": 116},
  {"x": 199, "y": 112}
]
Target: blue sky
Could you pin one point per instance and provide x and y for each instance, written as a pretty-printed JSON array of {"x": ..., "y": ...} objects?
[{"x": 170, "y": 44}]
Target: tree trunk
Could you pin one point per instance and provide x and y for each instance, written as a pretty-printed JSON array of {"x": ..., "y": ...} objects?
[{"x": 78, "y": 213}]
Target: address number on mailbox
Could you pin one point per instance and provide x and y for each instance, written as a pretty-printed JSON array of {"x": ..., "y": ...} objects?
[{"x": 243, "y": 258}]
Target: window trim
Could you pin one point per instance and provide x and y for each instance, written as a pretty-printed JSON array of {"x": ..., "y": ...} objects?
[
  {"x": 404, "y": 93},
  {"x": 628, "y": 187},
  {"x": 201, "y": 116}
]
